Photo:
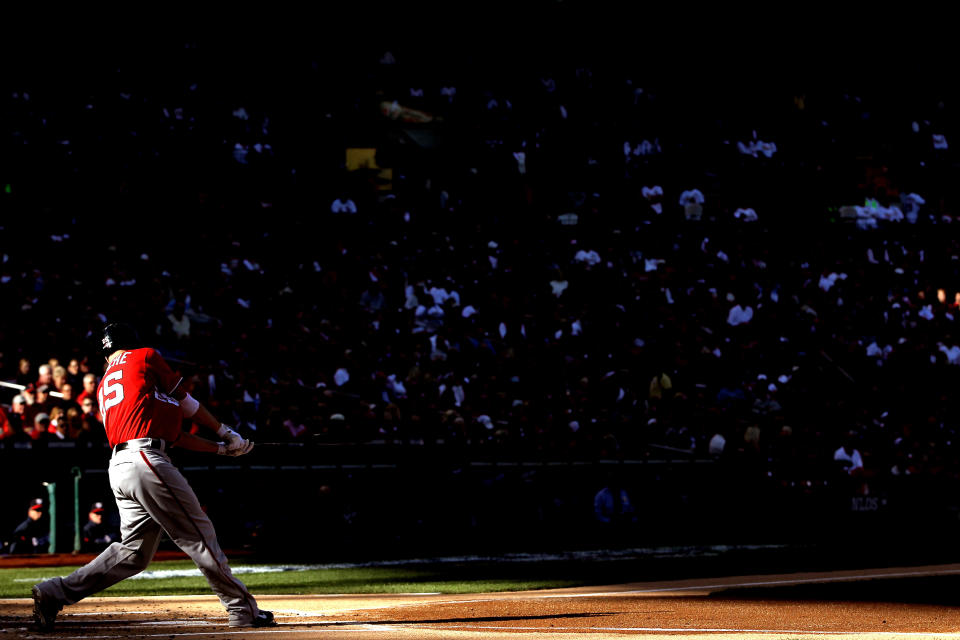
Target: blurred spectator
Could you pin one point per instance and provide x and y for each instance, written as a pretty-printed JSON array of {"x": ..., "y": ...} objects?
[
  {"x": 42, "y": 403},
  {"x": 6, "y": 428},
  {"x": 89, "y": 408},
  {"x": 755, "y": 147},
  {"x": 89, "y": 425},
  {"x": 179, "y": 322},
  {"x": 33, "y": 534},
  {"x": 74, "y": 375},
  {"x": 98, "y": 532},
  {"x": 89, "y": 388},
  {"x": 66, "y": 401},
  {"x": 73, "y": 421},
  {"x": 39, "y": 431},
  {"x": 654, "y": 197},
  {"x": 57, "y": 427},
  {"x": 15, "y": 418},
  {"x": 717, "y": 445},
  {"x": 692, "y": 202},
  {"x": 44, "y": 375},
  {"x": 343, "y": 204},
  {"x": 29, "y": 395},
  {"x": 612, "y": 507},
  {"x": 766, "y": 402},
  {"x": 848, "y": 457},
  {"x": 58, "y": 378},
  {"x": 24, "y": 375}
]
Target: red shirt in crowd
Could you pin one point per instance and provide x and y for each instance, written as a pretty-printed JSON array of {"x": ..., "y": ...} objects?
[
  {"x": 135, "y": 400},
  {"x": 5, "y": 429}
]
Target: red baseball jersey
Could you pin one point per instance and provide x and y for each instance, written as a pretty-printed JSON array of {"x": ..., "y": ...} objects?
[{"x": 135, "y": 400}]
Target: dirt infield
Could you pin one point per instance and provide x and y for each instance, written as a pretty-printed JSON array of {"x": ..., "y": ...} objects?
[{"x": 909, "y": 602}]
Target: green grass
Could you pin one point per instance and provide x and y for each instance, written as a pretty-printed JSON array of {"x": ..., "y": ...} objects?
[
  {"x": 491, "y": 573},
  {"x": 16, "y": 583}
]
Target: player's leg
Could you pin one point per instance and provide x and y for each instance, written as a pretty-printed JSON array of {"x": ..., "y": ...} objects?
[
  {"x": 172, "y": 502},
  {"x": 130, "y": 556},
  {"x": 140, "y": 537}
]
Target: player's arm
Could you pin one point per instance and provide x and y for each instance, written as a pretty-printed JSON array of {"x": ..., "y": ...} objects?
[
  {"x": 234, "y": 444},
  {"x": 198, "y": 413},
  {"x": 195, "y": 443},
  {"x": 172, "y": 384}
]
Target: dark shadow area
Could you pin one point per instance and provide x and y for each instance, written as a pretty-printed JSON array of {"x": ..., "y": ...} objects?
[{"x": 938, "y": 590}]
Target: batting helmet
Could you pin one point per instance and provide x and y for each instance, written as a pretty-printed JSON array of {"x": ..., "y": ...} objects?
[{"x": 118, "y": 335}]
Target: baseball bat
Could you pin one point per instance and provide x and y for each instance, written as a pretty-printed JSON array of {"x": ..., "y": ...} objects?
[
  {"x": 277, "y": 444},
  {"x": 301, "y": 444}
]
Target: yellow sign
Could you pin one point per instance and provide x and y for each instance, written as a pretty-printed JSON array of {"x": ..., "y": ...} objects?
[{"x": 363, "y": 158}]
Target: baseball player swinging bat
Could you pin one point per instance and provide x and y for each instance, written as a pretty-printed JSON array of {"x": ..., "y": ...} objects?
[{"x": 143, "y": 406}]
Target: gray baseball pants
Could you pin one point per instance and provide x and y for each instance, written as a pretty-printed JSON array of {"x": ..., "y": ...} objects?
[{"x": 153, "y": 496}]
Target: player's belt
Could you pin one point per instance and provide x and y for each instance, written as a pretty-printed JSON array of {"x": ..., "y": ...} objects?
[{"x": 141, "y": 443}]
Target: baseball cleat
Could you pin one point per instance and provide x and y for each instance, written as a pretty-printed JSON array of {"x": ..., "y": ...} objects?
[
  {"x": 263, "y": 619},
  {"x": 45, "y": 609}
]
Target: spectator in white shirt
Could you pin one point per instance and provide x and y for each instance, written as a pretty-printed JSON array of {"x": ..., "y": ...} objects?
[
  {"x": 691, "y": 196},
  {"x": 827, "y": 281},
  {"x": 521, "y": 158},
  {"x": 910, "y": 204},
  {"x": 642, "y": 148},
  {"x": 739, "y": 315},
  {"x": 654, "y": 195},
  {"x": 952, "y": 353},
  {"x": 341, "y": 205},
  {"x": 717, "y": 444},
  {"x": 848, "y": 458},
  {"x": 692, "y": 203},
  {"x": 754, "y": 147},
  {"x": 590, "y": 258}
]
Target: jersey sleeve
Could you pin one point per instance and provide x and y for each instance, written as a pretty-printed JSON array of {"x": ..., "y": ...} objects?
[{"x": 159, "y": 372}]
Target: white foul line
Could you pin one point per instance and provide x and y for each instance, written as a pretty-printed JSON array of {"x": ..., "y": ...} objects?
[
  {"x": 945, "y": 634},
  {"x": 394, "y": 627},
  {"x": 104, "y": 613},
  {"x": 246, "y": 632}
]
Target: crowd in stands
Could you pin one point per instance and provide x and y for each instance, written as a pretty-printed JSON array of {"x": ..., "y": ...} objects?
[
  {"x": 47, "y": 409},
  {"x": 566, "y": 260}
]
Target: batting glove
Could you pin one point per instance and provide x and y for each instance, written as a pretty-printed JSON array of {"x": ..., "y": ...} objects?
[
  {"x": 231, "y": 437},
  {"x": 232, "y": 449}
]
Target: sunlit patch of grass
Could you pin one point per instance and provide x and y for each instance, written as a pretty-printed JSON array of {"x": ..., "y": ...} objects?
[{"x": 16, "y": 583}]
